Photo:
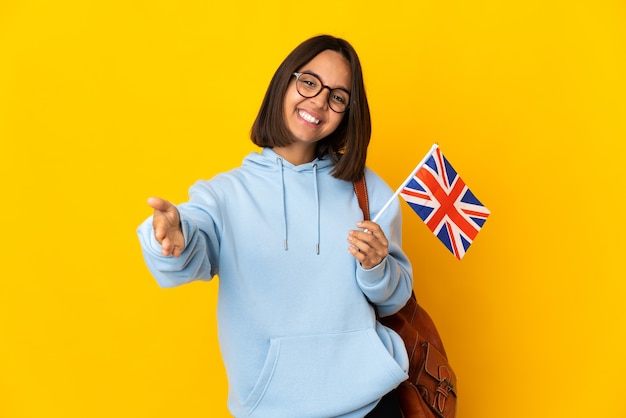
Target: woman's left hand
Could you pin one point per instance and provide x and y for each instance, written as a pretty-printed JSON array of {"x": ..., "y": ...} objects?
[{"x": 369, "y": 246}]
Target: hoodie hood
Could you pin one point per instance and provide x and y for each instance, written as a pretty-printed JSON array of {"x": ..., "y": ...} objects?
[{"x": 270, "y": 160}]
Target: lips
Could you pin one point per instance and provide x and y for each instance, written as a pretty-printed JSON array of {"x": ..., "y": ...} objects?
[{"x": 308, "y": 117}]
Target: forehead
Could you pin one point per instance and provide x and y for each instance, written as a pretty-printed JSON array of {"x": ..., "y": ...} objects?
[{"x": 331, "y": 67}]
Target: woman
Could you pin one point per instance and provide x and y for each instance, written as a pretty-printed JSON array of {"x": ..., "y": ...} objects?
[{"x": 297, "y": 329}]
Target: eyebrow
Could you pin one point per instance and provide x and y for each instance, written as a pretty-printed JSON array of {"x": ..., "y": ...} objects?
[{"x": 318, "y": 76}]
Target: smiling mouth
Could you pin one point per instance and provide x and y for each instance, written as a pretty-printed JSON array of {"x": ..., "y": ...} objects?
[{"x": 307, "y": 117}]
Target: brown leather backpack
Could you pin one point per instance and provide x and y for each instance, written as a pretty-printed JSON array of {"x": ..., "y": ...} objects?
[{"x": 430, "y": 391}]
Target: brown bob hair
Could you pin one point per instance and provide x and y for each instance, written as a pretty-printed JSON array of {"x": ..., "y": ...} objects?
[{"x": 347, "y": 145}]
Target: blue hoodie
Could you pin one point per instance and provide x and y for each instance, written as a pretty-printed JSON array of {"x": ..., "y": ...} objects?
[{"x": 298, "y": 335}]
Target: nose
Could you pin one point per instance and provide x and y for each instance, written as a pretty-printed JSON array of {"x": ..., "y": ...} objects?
[{"x": 322, "y": 98}]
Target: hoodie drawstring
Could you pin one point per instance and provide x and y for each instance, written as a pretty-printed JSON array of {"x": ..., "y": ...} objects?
[
  {"x": 279, "y": 161},
  {"x": 317, "y": 204},
  {"x": 282, "y": 185}
]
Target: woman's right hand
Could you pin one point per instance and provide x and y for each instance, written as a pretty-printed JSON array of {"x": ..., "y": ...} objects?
[{"x": 166, "y": 226}]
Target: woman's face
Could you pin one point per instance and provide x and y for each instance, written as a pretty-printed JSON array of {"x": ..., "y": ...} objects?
[{"x": 311, "y": 119}]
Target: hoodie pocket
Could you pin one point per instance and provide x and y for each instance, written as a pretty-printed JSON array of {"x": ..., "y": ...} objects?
[{"x": 323, "y": 375}]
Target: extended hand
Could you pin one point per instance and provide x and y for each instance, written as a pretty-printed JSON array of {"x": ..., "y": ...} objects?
[
  {"x": 369, "y": 246},
  {"x": 166, "y": 225}
]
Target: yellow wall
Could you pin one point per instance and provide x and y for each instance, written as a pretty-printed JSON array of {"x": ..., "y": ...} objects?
[{"x": 104, "y": 103}]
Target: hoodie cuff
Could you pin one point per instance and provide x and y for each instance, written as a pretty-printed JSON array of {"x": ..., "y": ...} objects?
[{"x": 374, "y": 277}]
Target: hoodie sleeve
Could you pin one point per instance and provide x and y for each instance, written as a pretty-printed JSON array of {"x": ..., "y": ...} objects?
[
  {"x": 199, "y": 259},
  {"x": 389, "y": 284}
]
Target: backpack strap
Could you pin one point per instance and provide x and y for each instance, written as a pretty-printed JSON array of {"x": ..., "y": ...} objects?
[{"x": 360, "y": 188}]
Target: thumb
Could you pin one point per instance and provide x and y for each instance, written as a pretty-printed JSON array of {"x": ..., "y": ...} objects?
[{"x": 157, "y": 203}]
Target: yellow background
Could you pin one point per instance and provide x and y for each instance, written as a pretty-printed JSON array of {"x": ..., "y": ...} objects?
[{"x": 104, "y": 103}]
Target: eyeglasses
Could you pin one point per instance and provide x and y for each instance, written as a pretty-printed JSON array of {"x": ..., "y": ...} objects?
[{"x": 309, "y": 85}]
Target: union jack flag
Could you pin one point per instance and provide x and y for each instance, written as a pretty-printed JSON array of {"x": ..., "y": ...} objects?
[{"x": 446, "y": 205}]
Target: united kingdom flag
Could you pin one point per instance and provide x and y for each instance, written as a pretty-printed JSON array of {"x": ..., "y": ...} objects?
[{"x": 444, "y": 202}]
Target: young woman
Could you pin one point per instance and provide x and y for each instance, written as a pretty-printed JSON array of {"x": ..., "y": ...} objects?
[{"x": 298, "y": 269}]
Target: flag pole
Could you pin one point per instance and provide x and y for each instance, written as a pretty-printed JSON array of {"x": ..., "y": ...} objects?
[{"x": 404, "y": 183}]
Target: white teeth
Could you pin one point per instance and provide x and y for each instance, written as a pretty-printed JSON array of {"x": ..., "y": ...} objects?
[{"x": 308, "y": 117}]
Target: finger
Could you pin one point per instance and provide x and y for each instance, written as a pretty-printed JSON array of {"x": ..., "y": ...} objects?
[
  {"x": 165, "y": 247},
  {"x": 159, "y": 234},
  {"x": 374, "y": 230},
  {"x": 371, "y": 249},
  {"x": 365, "y": 261},
  {"x": 160, "y": 224},
  {"x": 356, "y": 253},
  {"x": 364, "y": 240},
  {"x": 371, "y": 227},
  {"x": 358, "y": 240}
]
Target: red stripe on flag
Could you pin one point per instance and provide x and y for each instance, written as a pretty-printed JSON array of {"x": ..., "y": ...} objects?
[
  {"x": 447, "y": 203},
  {"x": 442, "y": 168},
  {"x": 475, "y": 213},
  {"x": 413, "y": 193},
  {"x": 455, "y": 249}
]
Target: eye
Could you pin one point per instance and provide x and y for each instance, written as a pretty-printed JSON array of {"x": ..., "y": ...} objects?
[
  {"x": 339, "y": 97},
  {"x": 309, "y": 81}
]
